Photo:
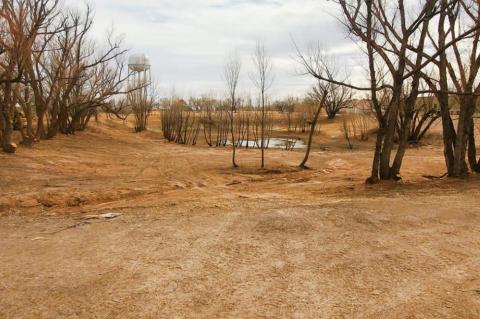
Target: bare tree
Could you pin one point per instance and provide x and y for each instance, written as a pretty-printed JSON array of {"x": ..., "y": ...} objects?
[
  {"x": 338, "y": 98},
  {"x": 21, "y": 24},
  {"x": 426, "y": 114},
  {"x": 287, "y": 107},
  {"x": 54, "y": 71},
  {"x": 348, "y": 131},
  {"x": 387, "y": 31},
  {"x": 70, "y": 77},
  {"x": 231, "y": 74},
  {"x": 456, "y": 57},
  {"x": 263, "y": 80},
  {"x": 332, "y": 97},
  {"x": 320, "y": 92},
  {"x": 180, "y": 124},
  {"x": 142, "y": 101}
]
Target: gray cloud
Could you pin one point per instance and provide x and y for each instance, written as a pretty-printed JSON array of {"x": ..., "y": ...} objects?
[{"x": 188, "y": 41}]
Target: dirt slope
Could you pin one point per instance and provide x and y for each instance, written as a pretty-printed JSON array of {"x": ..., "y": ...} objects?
[{"x": 197, "y": 239}]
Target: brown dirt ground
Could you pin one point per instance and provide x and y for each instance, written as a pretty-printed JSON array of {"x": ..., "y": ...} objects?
[{"x": 197, "y": 239}]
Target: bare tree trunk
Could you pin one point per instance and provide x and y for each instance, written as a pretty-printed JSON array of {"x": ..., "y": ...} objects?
[
  {"x": 7, "y": 144},
  {"x": 234, "y": 147},
  {"x": 374, "y": 178},
  {"x": 310, "y": 136},
  {"x": 402, "y": 147},
  {"x": 262, "y": 131},
  {"x": 463, "y": 131},
  {"x": 7, "y": 120},
  {"x": 263, "y": 81},
  {"x": 472, "y": 149},
  {"x": 232, "y": 75}
]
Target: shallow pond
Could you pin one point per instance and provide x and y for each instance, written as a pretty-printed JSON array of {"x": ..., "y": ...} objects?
[{"x": 280, "y": 143}]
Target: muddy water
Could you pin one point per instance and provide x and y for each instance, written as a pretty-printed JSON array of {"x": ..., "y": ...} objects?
[{"x": 280, "y": 143}]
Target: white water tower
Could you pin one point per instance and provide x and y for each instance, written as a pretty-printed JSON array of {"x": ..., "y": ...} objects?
[
  {"x": 139, "y": 62},
  {"x": 140, "y": 77}
]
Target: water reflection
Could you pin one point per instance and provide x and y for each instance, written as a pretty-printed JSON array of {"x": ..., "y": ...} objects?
[{"x": 279, "y": 143}]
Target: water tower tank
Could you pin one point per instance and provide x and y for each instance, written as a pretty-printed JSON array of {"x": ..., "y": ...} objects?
[{"x": 139, "y": 62}]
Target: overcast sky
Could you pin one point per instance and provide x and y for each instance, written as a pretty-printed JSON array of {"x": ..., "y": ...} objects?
[{"x": 188, "y": 41}]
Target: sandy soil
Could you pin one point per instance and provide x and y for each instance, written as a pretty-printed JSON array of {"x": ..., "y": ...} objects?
[{"x": 197, "y": 239}]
